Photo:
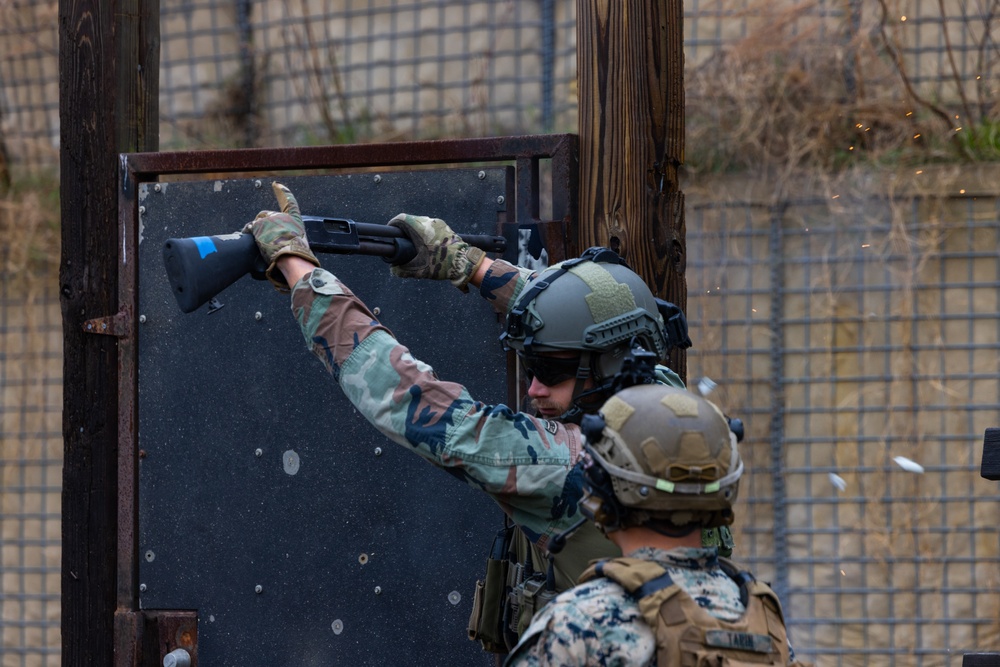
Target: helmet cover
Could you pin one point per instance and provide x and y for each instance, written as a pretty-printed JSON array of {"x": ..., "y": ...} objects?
[
  {"x": 670, "y": 455},
  {"x": 587, "y": 305}
]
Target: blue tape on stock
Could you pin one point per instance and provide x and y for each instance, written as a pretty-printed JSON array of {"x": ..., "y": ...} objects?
[{"x": 205, "y": 245}]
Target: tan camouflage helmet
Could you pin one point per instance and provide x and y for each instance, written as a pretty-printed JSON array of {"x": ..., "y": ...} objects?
[{"x": 670, "y": 456}]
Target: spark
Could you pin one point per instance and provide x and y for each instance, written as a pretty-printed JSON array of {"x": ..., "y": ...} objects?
[
  {"x": 835, "y": 197},
  {"x": 916, "y": 136},
  {"x": 902, "y": 18},
  {"x": 920, "y": 171},
  {"x": 851, "y": 148},
  {"x": 843, "y": 574},
  {"x": 958, "y": 129},
  {"x": 909, "y": 113},
  {"x": 866, "y": 245},
  {"x": 962, "y": 191}
]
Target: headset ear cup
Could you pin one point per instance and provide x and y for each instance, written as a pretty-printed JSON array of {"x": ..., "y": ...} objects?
[
  {"x": 598, "y": 510},
  {"x": 599, "y": 502},
  {"x": 592, "y": 427}
]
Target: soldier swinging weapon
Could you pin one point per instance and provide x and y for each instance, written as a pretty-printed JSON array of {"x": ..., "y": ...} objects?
[{"x": 202, "y": 266}]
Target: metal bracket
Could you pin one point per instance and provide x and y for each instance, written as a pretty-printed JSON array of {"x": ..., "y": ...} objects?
[
  {"x": 118, "y": 325},
  {"x": 177, "y": 630},
  {"x": 156, "y": 637}
]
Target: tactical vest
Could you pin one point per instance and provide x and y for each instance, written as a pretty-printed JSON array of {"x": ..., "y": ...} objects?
[
  {"x": 686, "y": 634},
  {"x": 521, "y": 579}
]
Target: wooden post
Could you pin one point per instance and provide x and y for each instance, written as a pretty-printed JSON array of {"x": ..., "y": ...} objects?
[
  {"x": 630, "y": 70},
  {"x": 109, "y": 73}
]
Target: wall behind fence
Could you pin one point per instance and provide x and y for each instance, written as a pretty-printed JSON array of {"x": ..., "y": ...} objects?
[
  {"x": 30, "y": 435},
  {"x": 848, "y": 324},
  {"x": 857, "y": 335},
  {"x": 310, "y": 71},
  {"x": 283, "y": 72}
]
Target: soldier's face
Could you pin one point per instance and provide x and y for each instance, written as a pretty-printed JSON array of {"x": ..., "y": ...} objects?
[
  {"x": 553, "y": 379},
  {"x": 550, "y": 402}
]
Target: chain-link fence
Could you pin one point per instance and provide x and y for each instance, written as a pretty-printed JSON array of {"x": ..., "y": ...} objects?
[
  {"x": 30, "y": 455},
  {"x": 291, "y": 72},
  {"x": 852, "y": 324},
  {"x": 857, "y": 335}
]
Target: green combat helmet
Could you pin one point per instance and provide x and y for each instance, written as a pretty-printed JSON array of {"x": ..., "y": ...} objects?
[
  {"x": 661, "y": 457},
  {"x": 597, "y": 306}
]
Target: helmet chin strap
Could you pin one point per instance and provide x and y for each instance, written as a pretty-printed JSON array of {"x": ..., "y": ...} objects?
[
  {"x": 571, "y": 416},
  {"x": 580, "y": 405}
]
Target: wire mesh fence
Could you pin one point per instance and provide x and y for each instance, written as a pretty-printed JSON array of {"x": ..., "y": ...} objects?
[
  {"x": 30, "y": 470},
  {"x": 852, "y": 326},
  {"x": 858, "y": 336},
  {"x": 252, "y": 73}
]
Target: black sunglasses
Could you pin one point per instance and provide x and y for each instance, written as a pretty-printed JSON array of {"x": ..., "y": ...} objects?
[{"x": 550, "y": 371}]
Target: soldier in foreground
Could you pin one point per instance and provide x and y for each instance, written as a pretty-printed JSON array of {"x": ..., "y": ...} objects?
[
  {"x": 660, "y": 465},
  {"x": 570, "y": 326}
]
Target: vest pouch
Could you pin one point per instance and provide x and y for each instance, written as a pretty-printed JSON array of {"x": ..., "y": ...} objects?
[
  {"x": 532, "y": 595},
  {"x": 477, "y": 611},
  {"x": 486, "y": 619}
]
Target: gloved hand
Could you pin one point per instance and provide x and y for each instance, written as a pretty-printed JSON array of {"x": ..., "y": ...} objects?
[
  {"x": 280, "y": 233},
  {"x": 441, "y": 253}
]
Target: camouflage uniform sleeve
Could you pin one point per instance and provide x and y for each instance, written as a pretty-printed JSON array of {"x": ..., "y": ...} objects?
[
  {"x": 526, "y": 464},
  {"x": 592, "y": 624},
  {"x": 502, "y": 283}
]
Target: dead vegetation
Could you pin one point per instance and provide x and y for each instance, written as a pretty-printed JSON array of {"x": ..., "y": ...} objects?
[
  {"x": 805, "y": 90},
  {"x": 29, "y": 225}
]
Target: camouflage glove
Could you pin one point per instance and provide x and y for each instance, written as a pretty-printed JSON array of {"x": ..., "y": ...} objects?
[
  {"x": 441, "y": 253},
  {"x": 278, "y": 234}
]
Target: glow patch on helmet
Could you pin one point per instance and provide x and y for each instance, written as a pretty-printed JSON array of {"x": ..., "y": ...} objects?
[
  {"x": 608, "y": 298},
  {"x": 682, "y": 405},
  {"x": 616, "y": 412},
  {"x": 713, "y": 487},
  {"x": 664, "y": 485}
]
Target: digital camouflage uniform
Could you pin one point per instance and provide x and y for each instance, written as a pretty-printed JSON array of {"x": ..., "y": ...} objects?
[
  {"x": 598, "y": 623},
  {"x": 523, "y": 462}
]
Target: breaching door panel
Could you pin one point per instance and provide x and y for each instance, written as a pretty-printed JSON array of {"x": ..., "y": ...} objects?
[{"x": 267, "y": 503}]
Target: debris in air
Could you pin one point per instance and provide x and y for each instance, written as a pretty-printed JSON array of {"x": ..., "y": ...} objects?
[
  {"x": 838, "y": 481},
  {"x": 706, "y": 386},
  {"x": 908, "y": 465}
]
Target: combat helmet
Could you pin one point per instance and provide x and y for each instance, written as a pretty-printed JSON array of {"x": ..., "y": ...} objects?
[
  {"x": 662, "y": 457},
  {"x": 595, "y": 305}
]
